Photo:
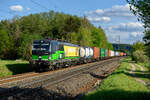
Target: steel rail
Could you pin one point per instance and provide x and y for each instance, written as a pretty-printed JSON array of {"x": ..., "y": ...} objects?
[{"x": 51, "y": 80}]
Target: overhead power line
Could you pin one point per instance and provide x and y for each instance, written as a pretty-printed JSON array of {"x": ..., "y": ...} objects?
[
  {"x": 56, "y": 4},
  {"x": 1, "y": 10},
  {"x": 39, "y": 4}
]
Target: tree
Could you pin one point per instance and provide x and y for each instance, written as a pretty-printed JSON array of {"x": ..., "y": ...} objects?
[
  {"x": 141, "y": 8},
  {"x": 138, "y": 52},
  {"x": 138, "y": 46},
  {"x": 139, "y": 56},
  {"x": 84, "y": 37},
  {"x": 4, "y": 42},
  {"x": 26, "y": 45},
  {"x": 6, "y": 46},
  {"x": 147, "y": 42}
]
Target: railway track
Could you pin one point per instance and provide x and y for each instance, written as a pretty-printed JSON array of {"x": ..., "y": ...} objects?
[
  {"x": 49, "y": 79},
  {"x": 30, "y": 75},
  {"x": 17, "y": 77}
]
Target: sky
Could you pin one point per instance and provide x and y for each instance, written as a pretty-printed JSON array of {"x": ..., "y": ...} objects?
[{"x": 114, "y": 16}]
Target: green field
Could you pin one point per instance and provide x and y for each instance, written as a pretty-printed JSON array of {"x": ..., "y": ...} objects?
[
  {"x": 12, "y": 67},
  {"x": 121, "y": 85}
]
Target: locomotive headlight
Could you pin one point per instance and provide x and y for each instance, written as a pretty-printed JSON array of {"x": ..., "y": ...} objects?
[
  {"x": 60, "y": 56},
  {"x": 50, "y": 57}
]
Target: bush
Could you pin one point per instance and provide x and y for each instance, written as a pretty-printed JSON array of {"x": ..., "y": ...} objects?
[{"x": 139, "y": 56}]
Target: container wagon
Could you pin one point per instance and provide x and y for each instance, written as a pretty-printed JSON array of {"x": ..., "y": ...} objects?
[
  {"x": 102, "y": 53},
  {"x": 106, "y": 53},
  {"x": 96, "y": 53}
]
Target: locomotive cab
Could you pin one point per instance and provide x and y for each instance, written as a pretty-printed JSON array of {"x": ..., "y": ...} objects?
[{"x": 44, "y": 52}]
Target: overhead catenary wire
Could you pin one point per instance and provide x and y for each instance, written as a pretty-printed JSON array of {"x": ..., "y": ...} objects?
[
  {"x": 4, "y": 10},
  {"x": 39, "y": 4},
  {"x": 56, "y": 6},
  {"x": 10, "y": 12},
  {"x": 1, "y": 10}
]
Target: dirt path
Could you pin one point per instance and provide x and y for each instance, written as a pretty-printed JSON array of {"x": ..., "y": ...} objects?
[
  {"x": 134, "y": 75},
  {"x": 141, "y": 68},
  {"x": 133, "y": 68}
]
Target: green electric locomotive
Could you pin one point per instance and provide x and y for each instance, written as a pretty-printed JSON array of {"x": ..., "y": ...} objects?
[{"x": 53, "y": 54}]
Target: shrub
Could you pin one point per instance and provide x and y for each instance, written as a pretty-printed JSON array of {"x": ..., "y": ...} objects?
[{"x": 139, "y": 56}]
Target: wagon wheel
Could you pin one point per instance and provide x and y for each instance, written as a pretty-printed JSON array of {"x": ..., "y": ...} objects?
[
  {"x": 61, "y": 65},
  {"x": 57, "y": 66},
  {"x": 51, "y": 67}
]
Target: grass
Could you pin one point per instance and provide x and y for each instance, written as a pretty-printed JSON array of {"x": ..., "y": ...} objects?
[
  {"x": 146, "y": 65},
  {"x": 12, "y": 67},
  {"x": 146, "y": 75},
  {"x": 120, "y": 85}
]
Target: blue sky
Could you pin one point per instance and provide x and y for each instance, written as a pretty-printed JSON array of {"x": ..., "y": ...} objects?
[{"x": 113, "y": 16}]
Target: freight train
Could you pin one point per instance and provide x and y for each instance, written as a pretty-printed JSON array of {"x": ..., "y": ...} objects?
[{"x": 50, "y": 54}]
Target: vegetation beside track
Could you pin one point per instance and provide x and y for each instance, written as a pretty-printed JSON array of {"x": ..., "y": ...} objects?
[
  {"x": 121, "y": 85},
  {"x": 12, "y": 67},
  {"x": 146, "y": 73}
]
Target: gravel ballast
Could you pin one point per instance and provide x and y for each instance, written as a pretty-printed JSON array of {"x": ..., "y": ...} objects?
[{"x": 70, "y": 88}]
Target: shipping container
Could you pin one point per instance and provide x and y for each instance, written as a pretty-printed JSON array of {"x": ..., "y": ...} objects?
[
  {"x": 102, "y": 52},
  {"x": 91, "y": 52},
  {"x": 117, "y": 53},
  {"x": 121, "y": 53},
  {"x": 112, "y": 53},
  {"x": 82, "y": 52},
  {"x": 109, "y": 53},
  {"x": 87, "y": 52},
  {"x": 71, "y": 51},
  {"x": 106, "y": 52},
  {"x": 96, "y": 52},
  {"x": 124, "y": 54}
]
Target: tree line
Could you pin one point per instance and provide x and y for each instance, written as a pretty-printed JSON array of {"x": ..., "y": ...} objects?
[
  {"x": 17, "y": 34},
  {"x": 127, "y": 48}
]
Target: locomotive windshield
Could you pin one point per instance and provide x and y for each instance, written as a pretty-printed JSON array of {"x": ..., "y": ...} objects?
[{"x": 44, "y": 46}]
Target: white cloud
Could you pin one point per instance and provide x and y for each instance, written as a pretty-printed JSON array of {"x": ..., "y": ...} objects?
[
  {"x": 129, "y": 32},
  {"x": 125, "y": 37},
  {"x": 121, "y": 7},
  {"x": 99, "y": 19},
  {"x": 136, "y": 34},
  {"x": 16, "y": 8},
  {"x": 28, "y": 9},
  {"x": 115, "y": 11},
  {"x": 100, "y": 11},
  {"x": 127, "y": 27},
  {"x": 121, "y": 22}
]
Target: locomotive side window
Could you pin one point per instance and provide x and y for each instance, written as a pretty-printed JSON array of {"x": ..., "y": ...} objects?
[
  {"x": 49, "y": 47},
  {"x": 61, "y": 47},
  {"x": 54, "y": 46}
]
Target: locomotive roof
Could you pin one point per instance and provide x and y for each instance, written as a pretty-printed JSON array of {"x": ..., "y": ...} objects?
[
  {"x": 40, "y": 41},
  {"x": 68, "y": 44},
  {"x": 59, "y": 42}
]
